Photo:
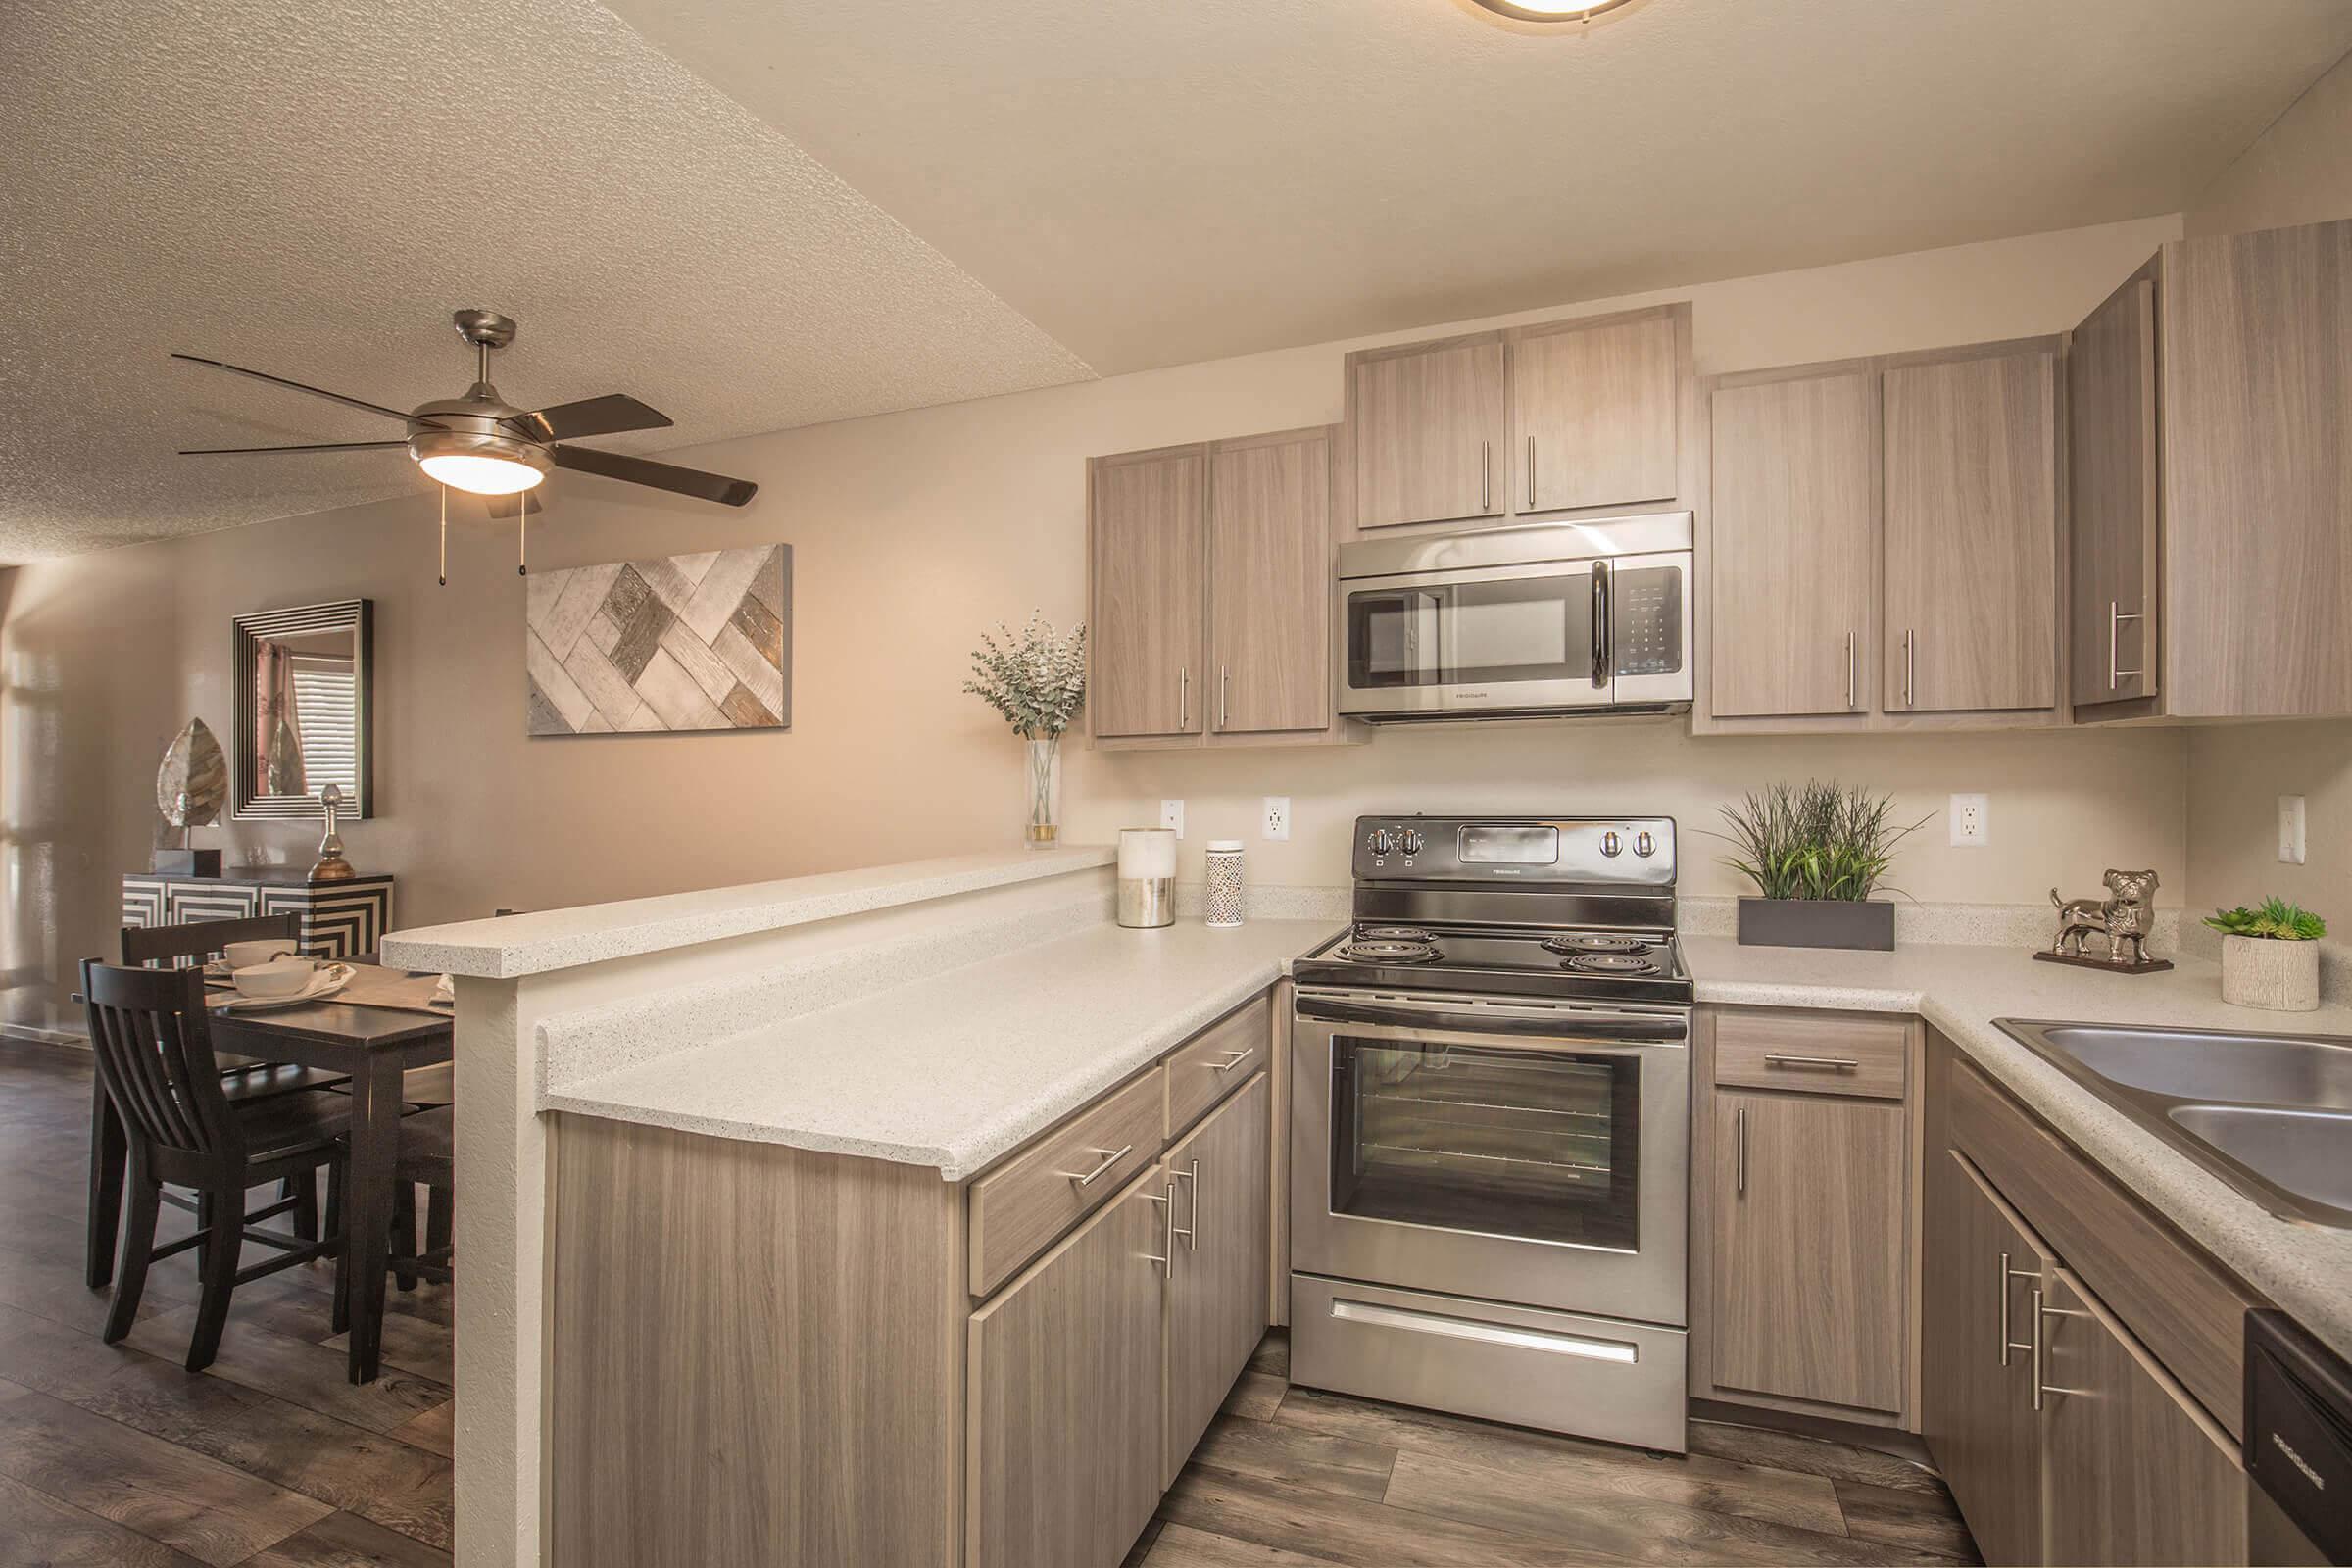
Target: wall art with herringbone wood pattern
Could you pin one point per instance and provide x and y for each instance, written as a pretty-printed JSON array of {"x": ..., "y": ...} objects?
[{"x": 676, "y": 643}]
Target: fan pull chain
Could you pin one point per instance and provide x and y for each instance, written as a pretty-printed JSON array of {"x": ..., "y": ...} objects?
[
  {"x": 444, "y": 536},
  {"x": 522, "y": 536}
]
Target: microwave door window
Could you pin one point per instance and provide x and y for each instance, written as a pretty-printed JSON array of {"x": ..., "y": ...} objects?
[
  {"x": 1394, "y": 637},
  {"x": 1523, "y": 630}
]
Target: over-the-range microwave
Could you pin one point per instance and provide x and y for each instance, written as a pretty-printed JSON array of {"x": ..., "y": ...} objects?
[{"x": 1540, "y": 620}]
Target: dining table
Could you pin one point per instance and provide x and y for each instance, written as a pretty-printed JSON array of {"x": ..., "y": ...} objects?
[{"x": 375, "y": 1045}]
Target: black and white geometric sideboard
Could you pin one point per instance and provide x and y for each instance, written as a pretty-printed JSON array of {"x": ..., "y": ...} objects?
[{"x": 338, "y": 920}]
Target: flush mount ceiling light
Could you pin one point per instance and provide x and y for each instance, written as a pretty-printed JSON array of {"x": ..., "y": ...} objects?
[{"x": 1551, "y": 11}]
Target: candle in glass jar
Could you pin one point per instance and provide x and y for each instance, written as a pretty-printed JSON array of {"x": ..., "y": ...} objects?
[{"x": 1147, "y": 876}]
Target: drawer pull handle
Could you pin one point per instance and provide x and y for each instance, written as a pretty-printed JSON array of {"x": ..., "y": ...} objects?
[
  {"x": 1110, "y": 1157},
  {"x": 1233, "y": 1059},
  {"x": 1775, "y": 1058}
]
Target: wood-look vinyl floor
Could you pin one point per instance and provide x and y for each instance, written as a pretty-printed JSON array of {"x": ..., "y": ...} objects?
[{"x": 270, "y": 1459}]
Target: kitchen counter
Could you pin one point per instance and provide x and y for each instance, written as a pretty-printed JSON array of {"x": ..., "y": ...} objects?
[
  {"x": 956, "y": 1068},
  {"x": 2306, "y": 1269}
]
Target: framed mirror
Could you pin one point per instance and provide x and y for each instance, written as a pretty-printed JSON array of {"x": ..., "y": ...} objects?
[{"x": 302, "y": 709}]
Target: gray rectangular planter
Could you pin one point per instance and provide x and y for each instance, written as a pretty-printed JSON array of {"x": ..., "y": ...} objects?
[{"x": 1817, "y": 923}]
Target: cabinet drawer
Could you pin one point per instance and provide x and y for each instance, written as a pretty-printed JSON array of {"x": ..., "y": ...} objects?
[
  {"x": 1820, "y": 1053},
  {"x": 1042, "y": 1191},
  {"x": 1217, "y": 1060}
]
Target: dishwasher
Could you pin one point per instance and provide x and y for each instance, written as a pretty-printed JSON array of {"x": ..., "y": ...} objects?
[{"x": 2298, "y": 1446}]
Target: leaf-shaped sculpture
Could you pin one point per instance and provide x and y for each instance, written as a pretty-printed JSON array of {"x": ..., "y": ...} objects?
[{"x": 192, "y": 785}]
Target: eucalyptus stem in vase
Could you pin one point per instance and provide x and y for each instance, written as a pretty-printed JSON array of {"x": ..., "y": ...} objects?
[{"x": 1037, "y": 680}]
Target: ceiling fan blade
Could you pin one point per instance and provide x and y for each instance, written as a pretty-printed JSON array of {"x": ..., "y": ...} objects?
[
  {"x": 313, "y": 446},
  {"x": 614, "y": 413},
  {"x": 295, "y": 386},
  {"x": 660, "y": 475}
]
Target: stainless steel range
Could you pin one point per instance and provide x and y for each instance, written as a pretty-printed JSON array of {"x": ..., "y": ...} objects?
[{"x": 1491, "y": 1128}]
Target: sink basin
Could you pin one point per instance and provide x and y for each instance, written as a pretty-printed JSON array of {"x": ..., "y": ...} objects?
[
  {"x": 2190, "y": 1065},
  {"x": 2270, "y": 1114},
  {"x": 2309, "y": 1152}
]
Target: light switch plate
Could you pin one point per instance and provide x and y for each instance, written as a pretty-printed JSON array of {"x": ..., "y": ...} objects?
[
  {"x": 2291, "y": 829},
  {"x": 1171, "y": 815},
  {"x": 1274, "y": 822},
  {"x": 1972, "y": 820}
]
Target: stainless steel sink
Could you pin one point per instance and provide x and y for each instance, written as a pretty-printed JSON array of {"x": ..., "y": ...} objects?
[{"x": 2270, "y": 1114}]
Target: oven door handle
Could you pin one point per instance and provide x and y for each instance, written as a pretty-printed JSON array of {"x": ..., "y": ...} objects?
[{"x": 1570, "y": 1028}]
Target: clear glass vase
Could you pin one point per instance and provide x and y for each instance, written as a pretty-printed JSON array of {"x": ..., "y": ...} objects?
[{"x": 1041, "y": 775}]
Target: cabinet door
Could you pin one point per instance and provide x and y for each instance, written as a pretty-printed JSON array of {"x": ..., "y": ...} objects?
[
  {"x": 1978, "y": 1272},
  {"x": 1269, "y": 556},
  {"x": 1794, "y": 559},
  {"x": 1972, "y": 534},
  {"x": 1427, "y": 424},
  {"x": 2135, "y": 1471},
  {"x": 1149, "y": 554},
  {"x": 1066, "y": 1400},
  {"x": 1808, "y": 1265},
  {"x": 2111, "y": 474},
  {"x": 1596, "y": 409},
  {"x": 1217, "y": 1285}
]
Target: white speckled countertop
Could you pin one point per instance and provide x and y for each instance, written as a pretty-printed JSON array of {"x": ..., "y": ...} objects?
[
  {"x": 2306, "y": 1269},
  {"x": 593, "y": 933},
  {"x": 957, "y": 1069}
]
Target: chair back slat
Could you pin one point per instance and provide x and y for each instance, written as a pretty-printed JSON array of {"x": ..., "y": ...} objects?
[
  {"x": 152, "y": 944},
  {"x": 149, "y": 1031}
]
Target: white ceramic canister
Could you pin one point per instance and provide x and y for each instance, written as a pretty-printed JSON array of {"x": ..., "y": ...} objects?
[
  {"x": 1146, "y": 877},
  {"x": 1223, "y": 909}
]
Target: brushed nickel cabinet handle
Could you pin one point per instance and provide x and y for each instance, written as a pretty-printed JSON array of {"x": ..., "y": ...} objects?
[
  {"x": 1167, "y": 1247},
  {"x": 1775, "y": 1058},
  {"x": 1110, "y": 1157},
  {"x": 1191, "y": 1233},
  {"x": 1183, "y": 694},
  {"x": 2115, "y": 620},
  {"x": 1908, "y": 699},
  {"x": 2007, "y": 1274},
  {"x": 1740, "y": 1164},
  {"x": 1485, "y": 494},
  {"x": 1531, "y": 473},
  {"x": 1224, "y": 695},
  {"x": 1849, "y": 671},
  {"x": 2040, "y": 1345},
  {"x": 1233, "y": 1059}
]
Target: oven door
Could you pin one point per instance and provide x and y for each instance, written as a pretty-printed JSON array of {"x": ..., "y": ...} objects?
[
  {"x": 1526, "y": 1152},
  {"x": 1489, "y": 638}
]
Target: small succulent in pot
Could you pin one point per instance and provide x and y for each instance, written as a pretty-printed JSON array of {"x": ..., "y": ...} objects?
[
  {"x": 1816, "y": 853},
  {"x": 2270, "y": 956}
]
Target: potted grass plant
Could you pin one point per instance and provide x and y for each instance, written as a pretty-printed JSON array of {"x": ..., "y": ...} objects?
[
  {"x": 2270, "y": 956},
  {"x": 1816, "y": 853}
]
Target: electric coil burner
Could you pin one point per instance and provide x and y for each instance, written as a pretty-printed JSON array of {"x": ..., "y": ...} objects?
[{"x": 1489, "y": 1124}]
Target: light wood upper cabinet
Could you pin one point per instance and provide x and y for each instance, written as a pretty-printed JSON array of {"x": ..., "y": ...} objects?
[
  {"x": 1981, "y": 1268},
  {"x": 1269, "y": 551},
  {"x": 2135, "y": 1471},
  {"x": 1597, "y": 412},
  {"x": 1217, "y": 1286},
  {"x": 1809, "y": 1266},
  {"x": 1794, "y": 544},
  {"x": 2113, "y": 612},
  {"x": 1972, "y": 532},
  {"x": 1428, "y": 430},
  {"x": 1148, "y": 546},
  {"x": 1065, "y": 1408}
]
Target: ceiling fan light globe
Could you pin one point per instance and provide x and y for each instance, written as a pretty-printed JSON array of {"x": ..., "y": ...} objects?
[{"x": 481, "y": 474}]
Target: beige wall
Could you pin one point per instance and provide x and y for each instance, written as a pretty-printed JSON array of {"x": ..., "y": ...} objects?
[
  {"x": 2297, "y": 172},
  {"x": 911, "y": 533}
]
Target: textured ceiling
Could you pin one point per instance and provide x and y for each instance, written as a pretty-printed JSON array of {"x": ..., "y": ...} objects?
[
  {"x": 1157, "y": 183},
  {"x": 311, "y": 190}
]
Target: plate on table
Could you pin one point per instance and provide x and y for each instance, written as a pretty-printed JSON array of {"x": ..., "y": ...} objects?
[{"x": 330, "y": 978}]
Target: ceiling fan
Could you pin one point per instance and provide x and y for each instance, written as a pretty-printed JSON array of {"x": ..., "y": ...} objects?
[{"x": 482, "y": 444}]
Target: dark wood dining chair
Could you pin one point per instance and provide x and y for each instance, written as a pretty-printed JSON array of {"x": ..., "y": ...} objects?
[
  {"x": 427, "y": 1160},
  {"x": 152, "y": 1038}
]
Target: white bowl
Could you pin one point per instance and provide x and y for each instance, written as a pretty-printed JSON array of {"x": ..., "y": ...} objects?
[
  {"x": 280, "y": 977},
  {"x": 252, "y": 955}
]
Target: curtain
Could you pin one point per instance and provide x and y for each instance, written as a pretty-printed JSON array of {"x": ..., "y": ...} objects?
[{"x": 277, "y": 731}]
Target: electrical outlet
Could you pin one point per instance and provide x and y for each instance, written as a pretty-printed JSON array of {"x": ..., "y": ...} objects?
[
  {"x": 1274, "y": 823},
  {"x": 1171, "y": 815},
  {"x": 2291, "y": 829},
  {"x": 1972, "y": 820}
]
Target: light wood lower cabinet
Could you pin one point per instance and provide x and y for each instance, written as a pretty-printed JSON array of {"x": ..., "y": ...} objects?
[
  {"x": 1809, "y": 1271},
  {"x": 1064, "y": 1451},
  {"x": 1217, "y": 1286},
  {"x": 1977, "y": 1407}
]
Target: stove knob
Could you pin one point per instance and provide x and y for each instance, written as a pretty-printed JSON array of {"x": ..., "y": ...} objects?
[
  {"x": 1410, "y": 841},
  {"x": 1381, "y": 841},
  {"x": 1612, "y": 845},
  {"x": 1644, "y": 846}
]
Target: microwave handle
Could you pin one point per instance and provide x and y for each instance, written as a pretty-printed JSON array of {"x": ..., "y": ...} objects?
[{"x": 1603, "y": 650}]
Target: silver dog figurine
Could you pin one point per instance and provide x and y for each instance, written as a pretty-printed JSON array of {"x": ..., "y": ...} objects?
[{"x": 2123, "y": 917}]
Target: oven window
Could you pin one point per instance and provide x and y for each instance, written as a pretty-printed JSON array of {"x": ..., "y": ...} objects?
[
  {"x": 1393, "y": 638},
  {"x": 1530, "y": 1144},
  {"x": 1523, "y": 628}
]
